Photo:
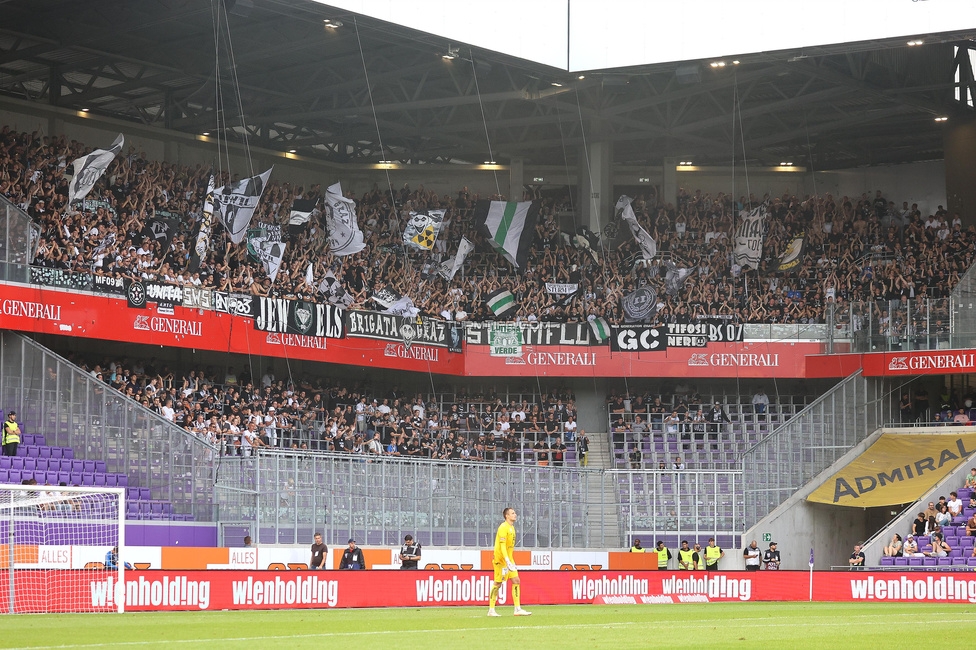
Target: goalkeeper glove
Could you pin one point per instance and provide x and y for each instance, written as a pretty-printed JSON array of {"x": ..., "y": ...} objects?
[{"x": 511, "y": 565}]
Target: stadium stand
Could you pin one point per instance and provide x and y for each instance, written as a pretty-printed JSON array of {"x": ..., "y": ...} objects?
[{"x": 865, "y": 258}]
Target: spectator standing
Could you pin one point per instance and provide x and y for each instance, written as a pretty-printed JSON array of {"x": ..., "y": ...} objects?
[
  {"x": 583, "y": 448},
  {"x": 11, "y": 434},
  {"x": 352, "y": 557},
  {"x": 558, "y": 453},
  {"x": 319, "y": 553},
  {"x": 752, "y": 556},
  {"x": 409, "y": 553}
]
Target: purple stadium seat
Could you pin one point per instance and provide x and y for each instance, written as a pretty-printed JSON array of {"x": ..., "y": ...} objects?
[
  {"x": 915, "y": 561},
  {"x": 964, "y": 493},
  {"x": 6, "y": 462},
  {"x": 44, "y": 452},
  {"x": 900, "y": 561},
  {"x": 67, "y": 452},
  {"x": 111, "y": 480},
  {"x": 971, "y": 561},
  {"x": 887, "y": 561},
  {"x": 930, "y": 561},
  {"x": 64, "y": 477},
  {"x": 50, "y": 478},
  {"x": 17, "y": 462},
  {"x": 74, "y": 478},
  {"x": 145, "y": 494},
  {"x": 89, "y": 466},
  {"x": 99, "y": 480},
  {"x": 944, "y": 561},
  {"x": 4, "y": 476},
  {"x": 39, "y": 439},
  {"x": 123, "y": 480},
  {"x": 131, "y": 510},
  {"x": 87, "y": 478},
  {"x": 30, "y": 450},
  {"x": 31, "y": 465},
  {"x": 100, "y": 466},
  {"x": 56, "y": 452}
]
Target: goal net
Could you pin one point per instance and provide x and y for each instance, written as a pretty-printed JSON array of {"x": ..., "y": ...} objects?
[{"x": 61, "y": 549}]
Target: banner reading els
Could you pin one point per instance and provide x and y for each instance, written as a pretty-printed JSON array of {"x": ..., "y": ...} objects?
[{"x": 716, "y": 359}]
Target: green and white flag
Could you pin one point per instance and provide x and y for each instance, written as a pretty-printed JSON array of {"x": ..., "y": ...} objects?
[
  {"x": 601, "y": 329},
  {"x": 509, "y": 226},
  {"x": 501, "y": 302},
  {"x": 504, "y": 340}
]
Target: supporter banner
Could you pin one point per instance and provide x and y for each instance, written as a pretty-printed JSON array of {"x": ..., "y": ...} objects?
[
  {"x": 561, "y": 288},
  {"x": 422, "y": 229},
  {"x": 726, "y": 360},
  {"x": 166, "y": 296},
  {"x": 638, "y": 339},
  {"x": 34, "y": 309},
  {"x": 239, "y": 304},
  {"x": 109, "y": 285},
  {"x": 387, "y": 327},
  {"x": 298, "y": 317},
  {"x": 699, "y": 334},
  {"x": 504, "y": 340},
  {"x": 60, "y": 278},
  {"x": 896, "y": 469},
  {"x": 749, "y": 235},
  {"x": 639, "y": 305},
  {"x": 538, "y": 333},
  {"x": 196, "y": 298},
  {"x": 923, "y": 362}
]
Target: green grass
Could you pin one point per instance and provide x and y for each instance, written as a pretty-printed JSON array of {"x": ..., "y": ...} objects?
[{"x": 738, "y": 625}]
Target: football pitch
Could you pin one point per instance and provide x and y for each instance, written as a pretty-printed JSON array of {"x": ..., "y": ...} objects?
[{"x": 744, "y": 625}]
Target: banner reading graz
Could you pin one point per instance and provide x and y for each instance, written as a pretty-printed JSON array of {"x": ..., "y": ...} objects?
[
  {"x": 536, "y": 333},
  {"x": 388, "y": 327},
  {"x": 898, "y": 468}
]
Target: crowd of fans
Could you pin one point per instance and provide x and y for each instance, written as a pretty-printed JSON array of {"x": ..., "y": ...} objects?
[
  {"x": 857, "y": 249},
  {"x": 243, "y": 414}
]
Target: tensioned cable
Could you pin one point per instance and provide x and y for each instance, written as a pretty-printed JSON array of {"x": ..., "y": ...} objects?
[{"x": 484, "y": 121}]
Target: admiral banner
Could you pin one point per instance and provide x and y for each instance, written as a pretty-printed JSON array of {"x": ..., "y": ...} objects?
[
  {"x": 60, "y": 278},
  {"x": 408, "y": 331},
  {"x": 538, "y": 333},
  {"x": 298, "y": 317},
  {"x": 701, "y": 333}
]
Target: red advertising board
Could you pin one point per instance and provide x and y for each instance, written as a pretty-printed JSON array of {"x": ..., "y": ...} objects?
[
  {"x": 919, "y": 362},
  {"x": 743, "y": 359},
  {"x": 53, "y": 311},
  {"x": 75, "y": 590}
]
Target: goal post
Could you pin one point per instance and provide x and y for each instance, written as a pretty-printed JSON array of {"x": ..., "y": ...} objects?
[{"x": 57, "y": 546}]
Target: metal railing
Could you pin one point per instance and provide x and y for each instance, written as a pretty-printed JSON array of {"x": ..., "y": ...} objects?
[
  {"x": 811, "y": 441},
  {"x": 911, "y": 324},
  {"x": 19, "y": 237}
]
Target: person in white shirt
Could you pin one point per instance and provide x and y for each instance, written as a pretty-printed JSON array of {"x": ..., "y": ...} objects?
[
  {"x": 760, "y": 402},
  {"x": 955, "y": 504},
  {"x": 167, "y": 411}
]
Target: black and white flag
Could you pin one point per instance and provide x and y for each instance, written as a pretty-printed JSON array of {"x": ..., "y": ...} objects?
[
  {"x": 626, "y": 212},
  {"x": 345, "y": 237},
  {"x": 202, "y": 244},
  {"x": 271, "y": 254},
  {"x": 675, "y": 278},
  {"x": 333, "y": 291},
  {"x": 302, "y": 210},
  {"x": 386, "y": 297},
  {"x": 640, "y": 305},
  {"x": 162, "y": 230},
  {"x": 792, "y": 257},
  {"x": 402, "y": 307},
  {"x": 449, "y": 268},
  {"x": 88, "y": 169},
  {"x": 749, "y": 234},
  {"x": 234, "y": 204}
]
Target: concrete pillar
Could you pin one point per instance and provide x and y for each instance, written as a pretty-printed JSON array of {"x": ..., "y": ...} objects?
[
  {"x": 669, "y": 182},
  {"x": 960, "y": 167},
  {"x": 596, "y": 187},
  {"x": 516, "y": 180}
]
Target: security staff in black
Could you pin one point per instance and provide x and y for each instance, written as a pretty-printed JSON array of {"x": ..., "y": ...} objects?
[
  {"x": 352, "y": 557},
  {"x": 409, "y": 553},
  {"x": 663, "y": 555},
  {"x": 11, "y": 434},
  {"x": 687, "y": 558}
]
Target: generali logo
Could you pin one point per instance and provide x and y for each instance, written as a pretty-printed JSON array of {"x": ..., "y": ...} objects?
[{"x": 947, "y": 361}]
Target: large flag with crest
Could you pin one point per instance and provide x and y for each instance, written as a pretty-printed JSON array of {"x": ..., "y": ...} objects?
[
  {"x": 647, "y": 244},
  {"x": 749, "y": 234},
  {"x": 234, "y": 204},
  {"x": 792, "y": 257},
  {"x": 88, "y": 169},
  {"x": 345, "y": 237},
  {"x": 509, "y": 226}
]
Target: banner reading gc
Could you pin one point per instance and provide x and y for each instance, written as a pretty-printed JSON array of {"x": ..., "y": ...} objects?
[{"x": 897, "y": 468}]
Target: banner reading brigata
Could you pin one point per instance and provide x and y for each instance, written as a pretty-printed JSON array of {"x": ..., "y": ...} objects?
[{"x": 147, "y": 591}]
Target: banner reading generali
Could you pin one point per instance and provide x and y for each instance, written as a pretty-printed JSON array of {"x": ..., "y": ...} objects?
[
  {"x": 147, "y": 591},
  {"x": 742, "y": 359},
  {"x": 109, "y": 318}
]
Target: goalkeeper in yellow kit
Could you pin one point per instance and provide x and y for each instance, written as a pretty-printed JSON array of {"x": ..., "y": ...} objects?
[{"x": 504, "y": 564}]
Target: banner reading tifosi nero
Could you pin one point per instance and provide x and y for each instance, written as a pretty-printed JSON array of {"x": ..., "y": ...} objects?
[{"x": 898, "y": 468}]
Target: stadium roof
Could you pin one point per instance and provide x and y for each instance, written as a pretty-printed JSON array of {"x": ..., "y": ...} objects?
[{"x": 299, "y": 66}]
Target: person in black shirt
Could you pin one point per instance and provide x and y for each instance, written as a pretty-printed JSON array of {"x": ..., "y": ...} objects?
[
  {"x": 352, "y": 557},
  {"x": 409, "y": 553},
  {"x": 319, "y": 553},
  {"x": 558, "y": 454},
  {"x": 918, "y": 526}
]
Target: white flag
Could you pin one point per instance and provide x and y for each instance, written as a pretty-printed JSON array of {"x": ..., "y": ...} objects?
[
  {"x": 234, "y": 204},
  {"x": 749, "y": 235},
  {"x": 450, "y": 267},
  {"x": 202, "y": 244},
  {"x": 309, "y": 276},
  {"x": 271, "y": 254},
  {"x": 402, "y": 307},
  {"x": 333, "y": 290},
  {"x": 88, "y": 169},
  {"x": 647, "y": 244},
  {"x": 345, "y": 237},
  {"x": 422, "y": 229}
]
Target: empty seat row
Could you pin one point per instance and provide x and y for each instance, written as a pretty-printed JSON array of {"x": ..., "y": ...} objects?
[
  {"x": 32, "y": 439},
  {"x": 149, "y": 510},
  {"x": 40, "y": 451},
  {"x": 138, "y": 494},
  {"x": 32, "y": 464},
  {"x": 967, "y": 562},
  {"x": 16, "y": 476}
]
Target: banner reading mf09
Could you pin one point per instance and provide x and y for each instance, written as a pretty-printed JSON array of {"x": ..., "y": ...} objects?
[{"x": 897, "y": 468}]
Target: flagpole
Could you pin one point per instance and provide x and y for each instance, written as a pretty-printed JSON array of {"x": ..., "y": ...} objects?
[{"x": 811, "y": 574}]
